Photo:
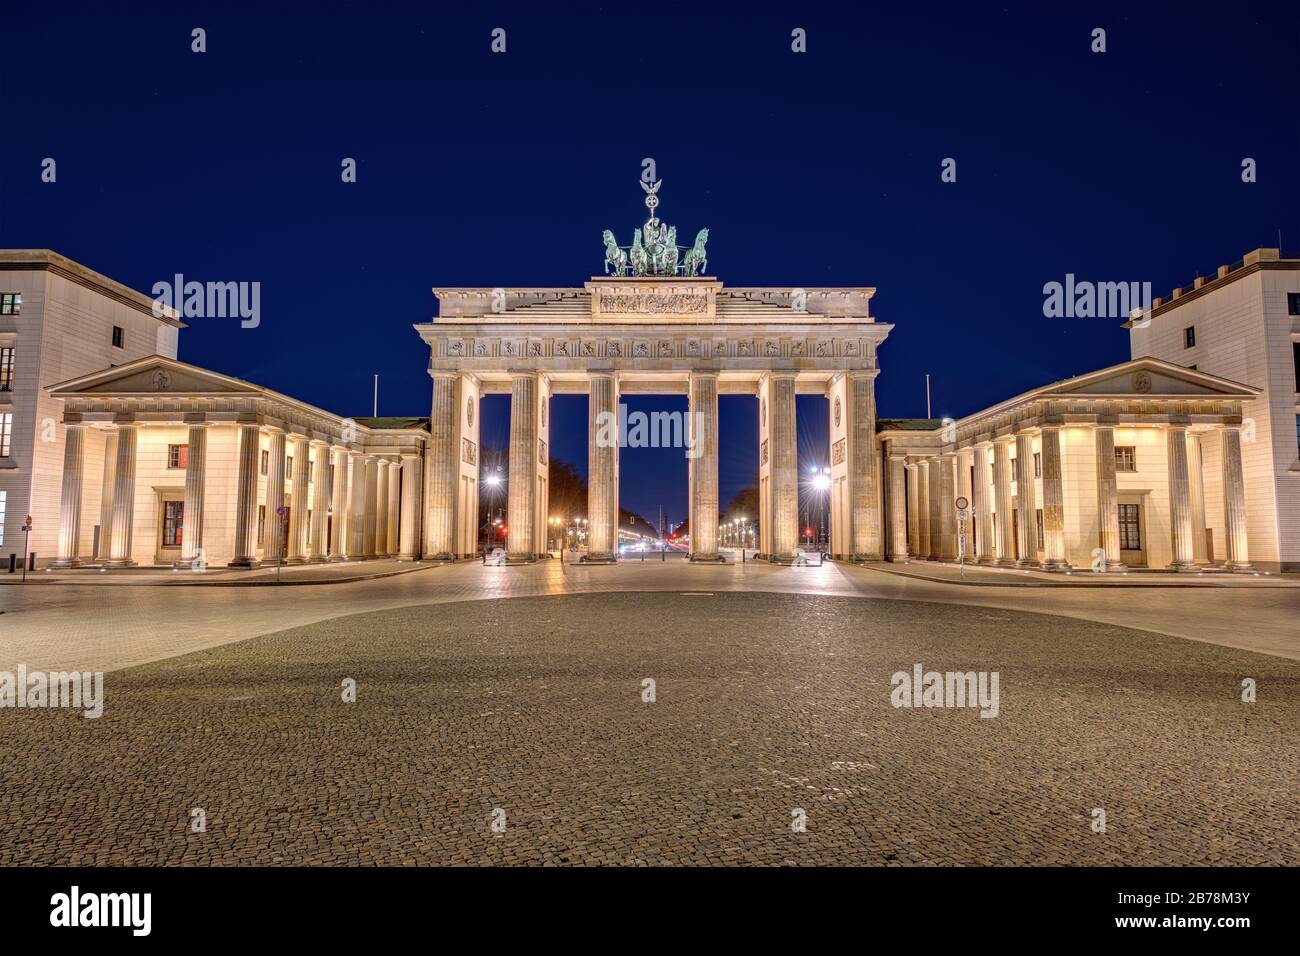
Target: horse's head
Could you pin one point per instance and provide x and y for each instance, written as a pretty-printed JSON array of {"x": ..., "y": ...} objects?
[{"x": 609, "y": 238}]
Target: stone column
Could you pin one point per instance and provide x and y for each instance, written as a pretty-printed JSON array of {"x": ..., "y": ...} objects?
[
  {"x": 1026, "y": 506},
  {"x": 602, "y": 468},
  {"x": 964, "y": 490},
  {"x": 923, "y": 509},
  {"x": 394, "y": 507},
  {"x": 1107, "y": 501},
  {"x": 1053, "y": 501},
  {"x": 913, "y": 515},
  {"x": 412, "y": 468},
  {"x": 702, "y": 421},
  {"x": 106, "y": 496},
  {"x": 444, "y": 464},
  {"x": 521, "y": 498},
  {"x": 1180, "y": 500},
  {"x": 935, "y": 500},
  {"x": 897, "y": 508},
  {"x": 863, "y": 483},
  {"x": 298, "y": 524},
  {"x": 1234, "y": 501},
  {"x": 250, "y": 447},
  {"x": 319, "y": 502},
  {"x": 947, "y": 507},
  {"x": 979, "y": 497},
  {"x": 1003, "y": 540},
  {"x": 356, "y": 530},
  {"x": 371, "y": 506},
  {"x": 123, "y": 497},
  {"x": 1196, "y": 484},
  {"x": 381, "y": 508},
  {"x": 74, "y": 460},
  {"x": 273, "y": 543},
  {"x": 196, "y": 475},
  {"x": 784, "y": 480},
  {"x": 341, "y": 497}
]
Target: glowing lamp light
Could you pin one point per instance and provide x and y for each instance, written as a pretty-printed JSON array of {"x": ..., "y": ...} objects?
[{"x": 822, "y": 482}]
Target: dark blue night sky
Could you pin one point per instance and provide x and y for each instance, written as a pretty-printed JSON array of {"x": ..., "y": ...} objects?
[{"x": 813, "y": 169}]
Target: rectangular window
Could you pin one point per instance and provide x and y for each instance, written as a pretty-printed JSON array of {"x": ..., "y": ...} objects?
[
  {"x": 1189, "y": 336},
  {"x": 11, "y": 303},
  {"x": 1295, "y": 363},
  {"x": 173, "y": 523},
  {"x": 1015, "y": 469},
  {"x": 178, "y": 456},
  {"x": 261, "y": 523},
  {"x": 6, "y": 433},
  {"x": 266, "y": 460},
  {"x": 1125, "y": 458},
  {"x": 1038, "y": 465},
  {"x": 1130, "y": 532},
  {"x": 1293, "y": 303},
  {"x": 117, "y": 336},
  {"x": 1038, "y": 524},
  {"x": 1297, "y": 434},
  {"x": 993, "y": 473},
  {"x": 7, "y": 370},
  {"x": 288, "y": 466},
  {"x": 3, "y": 496}
]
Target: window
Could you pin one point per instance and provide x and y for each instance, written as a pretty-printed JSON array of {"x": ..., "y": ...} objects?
[
  {"x": 11, "y": 303},
  {"x": 117, "y": 336},
  {"x": 1130, "y": 531},
  {"x": 6, "y": 433},
  {"x": 1125, "y": 458},
  {"x": 7, "y": 370},
  {"x": 1297, "y": 433},
  {"x": 1189, "y": 336},
  {"x": 1295, "y": 363},
  {"x": 266, "y": 461},
  {"x": 993, "y": 473},
  {"x": 1015, "y": 469},
  {"x": 173, "y": 522},
  {"x": 288, "y": 466},
  {"x": 1293, "y": 303},
  {"x": 178, "y": 456},
  {"x": 3, "y": 496},
  {"x": 1038, "y": 523},
  {"x": 1038, "y": 465},
  {"x": 261, "y": 523}
]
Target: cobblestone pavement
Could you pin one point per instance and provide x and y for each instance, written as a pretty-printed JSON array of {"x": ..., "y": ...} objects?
[{"x": 765, "y": 703}]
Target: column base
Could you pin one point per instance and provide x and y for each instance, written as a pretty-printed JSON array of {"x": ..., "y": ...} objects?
[
  {"x": 597, "y": 559},
  {"x": 289, "y": 561},
  {"x": 61, "y": 563},
  {"x": 1184, "y": 567},
  {"x": 706, "y": 559},
  {"x": 1242, "y": 567},
  {"x": 1056, "y": 566},
  {"x": 1116, "y": 567},
  {"x": 870, "y": 557},
  {"x": 410, "y": 557},
  {"x": 316, "y": 559},
  {"x": 1027, "y": 564},
  {"x": 1004, "y": 562},
  {"x": 120, "y": 563},
  {"x": 898, "y": 559},
  {"x": 246, "y": 564},
  {"x": 183, "y": 565}
]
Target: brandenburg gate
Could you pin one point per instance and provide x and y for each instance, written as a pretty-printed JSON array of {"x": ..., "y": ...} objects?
[{"x": 654, "y": 323}]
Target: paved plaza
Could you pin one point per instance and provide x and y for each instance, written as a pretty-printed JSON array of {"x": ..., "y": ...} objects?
[{"x": 767, "y": 702}]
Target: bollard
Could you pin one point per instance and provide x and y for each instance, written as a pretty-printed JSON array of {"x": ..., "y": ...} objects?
[
  {"x": 13, "y": 563},
  {"x": 31, "y": 561}
]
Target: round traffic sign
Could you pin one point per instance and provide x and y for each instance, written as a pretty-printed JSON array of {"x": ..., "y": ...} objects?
[{"x": 962, "y": 503}]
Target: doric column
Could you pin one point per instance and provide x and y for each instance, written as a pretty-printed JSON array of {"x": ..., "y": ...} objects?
[
  {"x": 947, "y": 507},
  {"x": 1234, "y": 501},
  {"x": 340, "y": 499},
  {"x": 250, "y": 447},
  {"x": 784, "y": 481},
  {"x": 409, "y": 547},
  {"x": 319, "y": 502},
  {"x": 602, "y": 468},
  {"x": 356, "y": 529},
  {"x": 897, "y": 508},
  {"x": 394, "y": 507},
  {"x": 1180, "y": 499},
  {"x": 935, "y": 500},
  {"x": 444, "y": 459},
  {"x": 864, "y": 491},
  {"x": 1196, "y": 485},
  {"x": 980, "y": 501},
  {"x": 273, "y": 543},
  {"x": 371, "y": 505},
  {"x": 702, "y": 422},
  {"x": 1026, "y": 507},
  {"x": 923, "y": 509},
  {"x": 298, "y": 525},
  {"x": 1053, "y": 501},
  {"x": 106, "y": 496},
  {"x": 521, "y": 499},
  {"x": 1003, "y": 539},
  {"x": 196, "y": 475},
  {"x": 913, "y": 516},
  {"x": 381, "y": 508},
  {"x": 74, "y": 459},
  {"x": 1107, "y": 500},
  {"x": 965, "y": 549},
  {"x": 123, "y": 497}
]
